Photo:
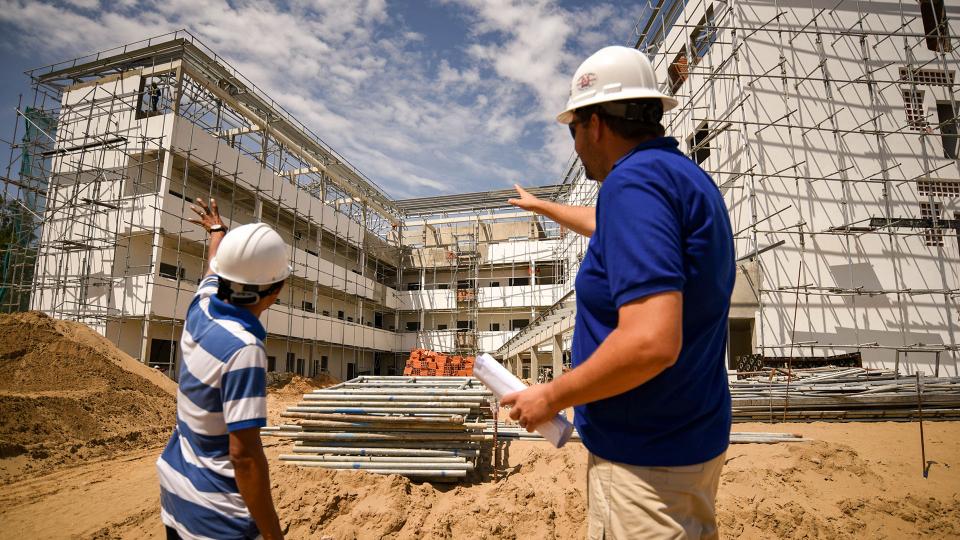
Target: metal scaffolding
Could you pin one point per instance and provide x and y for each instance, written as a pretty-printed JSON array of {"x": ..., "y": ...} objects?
[
  {"x": 831, "y": 129},
  {"x": 119, "y": 143}
]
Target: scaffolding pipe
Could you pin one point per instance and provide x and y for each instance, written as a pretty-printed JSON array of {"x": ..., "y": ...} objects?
[
  {"x": 420, "y": 420},
  {"x": 426, "y": 460},
  {"x": 362, "y": 402},
  {"x": 412, "y": 465},
  {"x": 317, "y": 436},
  {"x": 338, "y": 450},
  {"x": 439, "y": 473},
  {"x": 390, "y": 398},
  {"x": 381, "y": 410}
]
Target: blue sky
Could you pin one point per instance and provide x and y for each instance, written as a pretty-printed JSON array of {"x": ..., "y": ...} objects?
[{"x": 425, "y": 97}]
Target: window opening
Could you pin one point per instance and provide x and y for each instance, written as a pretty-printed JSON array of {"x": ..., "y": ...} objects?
[
  {"x": 678, "y": 70},
  {"x": 913, "y": 105},
  {"x": 932, "y": 237},
  {"x": 934, "y": 15},
  {"x": 948, "y": 128},
  {"x": 697, "y": 145}
]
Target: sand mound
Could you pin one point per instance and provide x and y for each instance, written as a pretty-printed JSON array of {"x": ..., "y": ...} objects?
[
  {"x": 286, "y": 389},
  {"x": 817, "y": 489},
  {"x": 286, "y": 384},
  {"x": 824, "y": 490},
  {"x": 67, "y": 394},
  {"x": 540, "y": 497}
]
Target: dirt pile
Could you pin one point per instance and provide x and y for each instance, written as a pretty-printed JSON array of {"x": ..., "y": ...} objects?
[
  {"x": 67, "y": 394},
  {"x": 827, "y": 490},
  {"x": 852, "y": 481},
  {"x": 541, "y": 496},
  {"x": 286, "y": 390},
  {"x": 289, "y": 385}
]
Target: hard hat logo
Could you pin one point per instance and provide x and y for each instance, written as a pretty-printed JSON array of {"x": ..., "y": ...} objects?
[
  {"x": 586, "y": 81},
  {"x": 613, "y": 74}
]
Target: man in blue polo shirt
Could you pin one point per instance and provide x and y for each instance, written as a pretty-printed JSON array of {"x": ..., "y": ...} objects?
[
  {"x": 653, "y": 294},
  {"x": 214, "y": 481}
]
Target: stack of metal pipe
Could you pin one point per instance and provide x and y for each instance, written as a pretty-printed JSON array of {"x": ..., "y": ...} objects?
[
  {"x": 425, "y": 427},
  {"x": 844, "y": 394}
]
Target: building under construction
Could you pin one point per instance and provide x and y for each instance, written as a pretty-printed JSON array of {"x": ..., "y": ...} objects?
[
  {"x": 830, "y": 128},
  {"x": 119, "y": 144}
]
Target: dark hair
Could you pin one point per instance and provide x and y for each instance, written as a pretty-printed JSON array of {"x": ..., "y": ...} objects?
[
  {"x": 245, "y": 295},
  {"x": 631, "y": 119}
]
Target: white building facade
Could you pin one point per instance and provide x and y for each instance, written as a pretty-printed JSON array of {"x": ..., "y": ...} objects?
[
  {"x": 829, "y": 127},
  {"x": 831, "y": 130},
  {"x": 143, "y": 131}
]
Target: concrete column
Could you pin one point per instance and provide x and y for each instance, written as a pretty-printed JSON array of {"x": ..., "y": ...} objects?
[
  {"x": 423, "y": 285},
  {"x": 145, "y": 342},
  {"x": 534, "y": 364},
  {"x": 557, "y": 355},
  {"x": 399, "y": 283}
]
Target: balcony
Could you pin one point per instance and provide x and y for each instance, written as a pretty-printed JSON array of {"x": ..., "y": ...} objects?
[
  {"x": 486, "y": 297},
  {"x": 100, "y": 296},
  {"x": 305, "y": 264},
  {"x": 522, "y": 251},
  {"x": 171, "y": 300},
  {"x": 447, "y": 340},
  {"x": 289, "y": 321}
]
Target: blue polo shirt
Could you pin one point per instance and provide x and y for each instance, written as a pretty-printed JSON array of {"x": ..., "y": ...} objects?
[{"x": 661, "y": 226}]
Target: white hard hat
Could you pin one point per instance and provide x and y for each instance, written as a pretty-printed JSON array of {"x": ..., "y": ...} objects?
[
  {"x": 613, "y": 74},
  {"x": 252, "y": 254}
]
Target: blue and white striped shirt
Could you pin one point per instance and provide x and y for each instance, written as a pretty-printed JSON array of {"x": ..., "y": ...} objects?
[{"x": 222, "y": 389}]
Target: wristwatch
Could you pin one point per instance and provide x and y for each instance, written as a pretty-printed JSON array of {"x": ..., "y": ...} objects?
[{"x": 218, "y": 228}]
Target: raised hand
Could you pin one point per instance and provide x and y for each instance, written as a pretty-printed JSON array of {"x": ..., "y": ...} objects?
[
  {"x": 207, "y": 216},
  {"x": 526, "y": 200}
]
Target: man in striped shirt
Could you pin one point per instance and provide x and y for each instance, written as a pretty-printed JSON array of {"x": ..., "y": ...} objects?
[{"x": 214, "y": 481}]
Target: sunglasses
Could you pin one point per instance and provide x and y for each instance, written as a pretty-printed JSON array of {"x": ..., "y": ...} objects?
[{"x": 573, "y": 125}]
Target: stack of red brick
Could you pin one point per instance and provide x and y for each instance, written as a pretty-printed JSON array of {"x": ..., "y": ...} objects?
[{"x": 425, "y": 363}]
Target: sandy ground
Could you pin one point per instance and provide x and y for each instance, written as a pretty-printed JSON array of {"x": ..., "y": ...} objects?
[
  {"x": 82, "y": 425},
  {"x": 852, "y": 481}
]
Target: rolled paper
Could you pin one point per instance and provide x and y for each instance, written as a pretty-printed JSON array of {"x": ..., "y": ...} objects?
[{"x": 501, "y": 382}]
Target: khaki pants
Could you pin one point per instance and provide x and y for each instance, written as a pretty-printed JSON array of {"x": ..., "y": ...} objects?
[{"x": 627, "y": 501}]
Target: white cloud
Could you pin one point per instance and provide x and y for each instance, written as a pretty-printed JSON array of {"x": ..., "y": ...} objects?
[
  {"x": 417, "y": 121},
  {"x": 84, "y": 4}
]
